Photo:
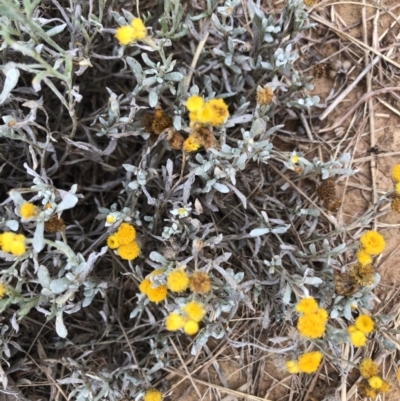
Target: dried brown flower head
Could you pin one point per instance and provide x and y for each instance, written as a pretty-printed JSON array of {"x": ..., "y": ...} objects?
[
  {"x": 264, "y": 96},
  {"x": 327, "y": 193},
  {"x": 318, "y": 70},
  {"x": 334, "y": 205},
  {"x": 174, "y": 138},
  {"x": 157, "y": 122},
  {"x": 54, "y": 225},
  {"x": 365, "y": 389},
  {"x": 200, "y": 283},
  {"x": 395, "y": 204},
  {"x": 345, "y": 283},
  {"x": 363, "y": 274}
]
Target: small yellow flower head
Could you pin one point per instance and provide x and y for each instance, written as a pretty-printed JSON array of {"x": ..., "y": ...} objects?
[
  {"x": 200, "y": 283},
  {"x": 385, "y": 387},
  {"x": 178, "y": 281},
  {"x": 191, "y": 144},
  {"x": 396, "y": 173},
  {"x": 139, "y": 27},
  {"x": 129, "y": 251},
  {"x": 152, "y": 394},
  {"x": 194, "y": 103},
  {"x": 397, "y": 188},
  {"x": 307, "y": 305},
  {"x": 368, "y": 368},
  {"x": 17, "y": 248},
  {"x": 365, "y": 389},
  {"x": 112, "y": 241},
  {"x": 219, "y": 111},
  {"x": 357, "y": 337},
  {"x": 375, "y": 382},
  {"x": 174, "y": 322},
  {"x": 194, "y": 310},
  {"x": 125, "y": 35},
  {"x": 144, "y": 286},
  {"x": 110, "y": 219},
  {"x": 294, "y": 159},
  {"x": 372, "y": 242},
  {"x": 157, "y": 294},
  {"x": 292, "y": 367},
  {"x": 310, "y": 3},
  {"x": 309, "y": 362},
  {"x": 312, "y": 324},
  {"x": 264, "y": 96},
  {"x": 7, "y": 239},
  {"x": 125, "y": 234},
  {"x": 3, "y": 290},
  {"x": 364, "y": 323},
  {"x": 27, "y": 210},
  {"x": 363, "y": 258},
  {"x": 191, "y": 327}
]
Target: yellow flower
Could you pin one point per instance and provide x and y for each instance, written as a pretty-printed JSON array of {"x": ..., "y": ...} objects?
[
  {"x": 125, "y": 35},
  {"x": 375, "y": 382},
  {"x": 3, "y": 290},
  {"x": 191, "y": 327},
  {"x": 396, "y": 173},
  {"x": 110, "y": 219},
  {"x": 139, "y": 27},
  {"x": 112, "y": 242},
  {"x": 174, "y": 322},
  {"x": 397, "y": 188},
  {"x": 200, "y": 283},
  {"x": 357, "y": 337},
  {"x": 312, "y": 324},
  {"x": 194, "y": 310},
  {"x": 125, "y": 234},
  {"x": 292, "y": 367},
  {"x": 194, "y": 103},
  {"x": 368, "y": 368},
  {"x": 129, "y": 251},
  {"x": 27, "y": 210},
  {"x": 307, "y": 305},
  {"x": 372, "y": 242},
  {"x": 363, "y": 258},
  {"x": 217, "y": 110},
  {"x": 157, "y": 294},
  {"x": 7, "y": 239},
  {"x": 178, "y": 280},
  {"x": 309, "y": 362},
  {"x": 17, "y": 248},
  {"x": 294, "y": 159},
  {"x": 364, "y": 323},
  {"x": 191, "y": 144},
  {"x": 385, "y": 387},
  {"x": 152, "y": 394},
  {"x": 144, "y": 286}
]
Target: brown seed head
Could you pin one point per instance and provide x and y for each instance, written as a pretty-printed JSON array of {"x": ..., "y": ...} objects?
[
  {"x": 264, "y": 96},
  {"x": 318, "y": 70},
  {"x": 200, "y": 283},
  {"x": 395, "y": 204},
  {"x": 345, "y": 283},
  {"x": 54, "y": 225},
  {"x": 363, "y": 274}
]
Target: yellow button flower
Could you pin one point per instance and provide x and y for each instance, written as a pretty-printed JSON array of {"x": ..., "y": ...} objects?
[
  {"x": 364, "y": 323},
  {"x": 125, "y": 234},
  {"x": 194, "y": 310},
  {"x": 194, "y": 103},
  {"x": 368, "y": 368},
  {"x": 174, "y": 322},
  {"x": 313, "y": 324},
  {"x": 363, "y": 258},
  {"x": 127, "y": 34},
  {"x": 157, "y": 294},
  {"x": 139, "y": 27},
  {"x": 27, "y": 210},
  {"x": 178, "y": 281},
  {"x": 357, "y": 337},
  {"x": 191, "y": 144},
  {"x": 144, "y": 286},
  {"x": 3, "y": 290},
  {"x": 396, "y": 173},
  {"x": 17, "y": 248},
  {"x": 375, "y": 382},
  {"x": 372, "y": 242},
  {"x": 112, "y": 242},
  {"x": 152, "y": 394},
  {"x": 309, "y": 362},
  {"x": 191, "y": 327},
  {"x": 129, "y": 251},
  {"x": 292, "y": 367},
  {"x": 307, "y": 305}
]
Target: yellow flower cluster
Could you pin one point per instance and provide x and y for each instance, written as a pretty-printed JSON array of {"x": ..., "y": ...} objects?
[
  {"x": 214, "y": 112},
  {"x": 154, "y": 293},
  {"x": 307, "y": 363},
  {"x": 124, "y": 242},
  {"x": 372, "y": 242},
  {"x": 130, "y": 33},
  {"x": 372, "y": 383},
  {"x": 187, "y": 319},
  {"x": 12, "y": 243},
  {"x": 178, "y": 280},
  {"x": 312, "y": 322},
  {"x": 191, "y": 144},
  {"x": 152, "y": 394},
  {"x": 363, "y": 325},
  {"x": 396, "y": 173},
  {"x": 27, "y": 210}
]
